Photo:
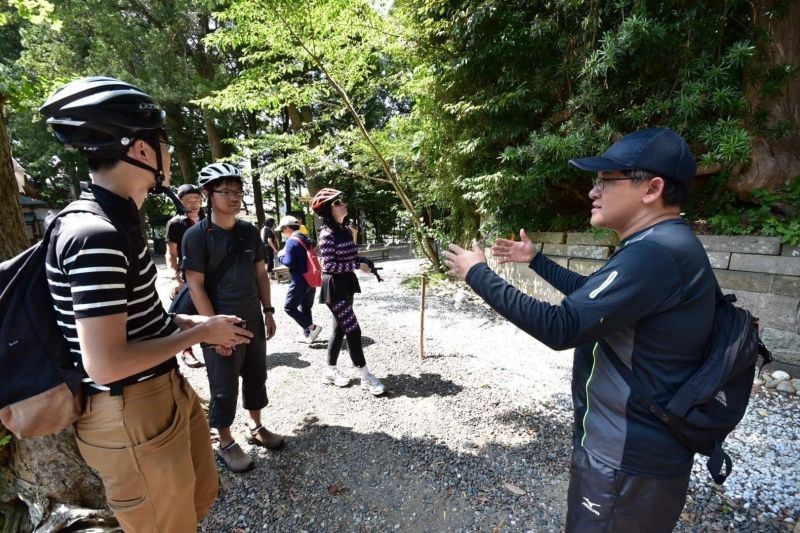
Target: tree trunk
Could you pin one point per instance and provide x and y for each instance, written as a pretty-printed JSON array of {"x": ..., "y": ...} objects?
[
  {"x": 47, "y": 471},
  {"x": 183, "y": 156},
  {"x": 13, "y": 238},
  {"x": 775, "y": 162},
  {"x": 287, "y": 193},
  {"x": 276, "y": 194},
  {"x": 214, "y": 140},
  {"x": 258, "y": 198}
]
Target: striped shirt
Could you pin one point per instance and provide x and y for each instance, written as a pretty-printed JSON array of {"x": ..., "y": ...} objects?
[{"x": 95, "y": 271}]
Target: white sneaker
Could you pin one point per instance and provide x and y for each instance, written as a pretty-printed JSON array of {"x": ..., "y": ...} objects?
[
  {"x": 373, "y": 385},
  {"x": 313, "y": 333},
  {"x": 334, "y": 377}
]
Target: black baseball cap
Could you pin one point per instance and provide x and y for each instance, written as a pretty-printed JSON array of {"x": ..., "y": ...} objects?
[
  {"x": 659, "y": 151},
  {"x": 187, "y": 188}
]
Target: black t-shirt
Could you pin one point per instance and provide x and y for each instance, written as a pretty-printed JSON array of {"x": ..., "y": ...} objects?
[
  {"x": 236, "y": 292},
  {"x": 267, "y": 236},
  {"x": 176, "y": 227}
]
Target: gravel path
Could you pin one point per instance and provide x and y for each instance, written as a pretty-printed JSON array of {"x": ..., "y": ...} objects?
[{"x": 476, "y": 437}]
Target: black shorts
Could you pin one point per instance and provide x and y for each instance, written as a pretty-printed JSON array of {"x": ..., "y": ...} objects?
[{"x": 602, "y": 499}]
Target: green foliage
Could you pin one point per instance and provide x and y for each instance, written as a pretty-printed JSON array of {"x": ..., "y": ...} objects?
[
  {"x": 775, "y": 214},
  {"x": 477, "y": 105},
  {"x": 506, "y": 93}
]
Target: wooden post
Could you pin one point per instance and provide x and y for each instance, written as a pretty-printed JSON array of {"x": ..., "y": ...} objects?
[{"x": 422, "y": 318}]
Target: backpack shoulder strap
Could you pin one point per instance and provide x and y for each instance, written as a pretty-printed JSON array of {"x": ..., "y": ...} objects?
[
  {"x": 84, "y": 205},
  {"x": 302, "y": 242}
]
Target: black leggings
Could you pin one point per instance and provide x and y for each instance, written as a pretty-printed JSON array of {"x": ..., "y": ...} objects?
[{"x": 345, "y": 324}]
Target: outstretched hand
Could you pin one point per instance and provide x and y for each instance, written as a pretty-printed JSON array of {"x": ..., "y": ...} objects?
[
  {"x": 507, "y": 251},
  {"x": 459, "y": 261}
]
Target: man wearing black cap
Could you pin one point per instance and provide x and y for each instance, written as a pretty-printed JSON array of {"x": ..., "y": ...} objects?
[
  {"x": 192, "y": 200},
  {"x": 651, "y": 306}
]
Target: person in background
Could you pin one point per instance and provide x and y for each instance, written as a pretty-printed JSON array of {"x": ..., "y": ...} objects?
[
  {"x": 340, "y": 260},
  {"x": 650, "y": 308},
  {"x": 244, "y": 288},
  {"x": 300, "y": 296},
  {"x": 270, "y": 245},
  {"x": 192, "y": 200}
]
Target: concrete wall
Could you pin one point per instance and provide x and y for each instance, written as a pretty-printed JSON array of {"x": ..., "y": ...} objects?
[{"x": 764, "y": 275}]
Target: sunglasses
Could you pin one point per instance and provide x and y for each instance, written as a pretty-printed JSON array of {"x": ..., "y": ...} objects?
[{"x": 338, "y": 201}]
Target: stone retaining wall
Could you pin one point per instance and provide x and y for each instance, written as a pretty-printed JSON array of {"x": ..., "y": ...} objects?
[{"x": 764, "y": 275}]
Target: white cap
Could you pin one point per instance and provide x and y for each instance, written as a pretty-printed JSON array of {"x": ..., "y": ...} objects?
[{"x": 288, "y": 220}]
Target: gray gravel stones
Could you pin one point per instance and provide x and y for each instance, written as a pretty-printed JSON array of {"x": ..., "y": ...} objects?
[{"x": 476, "y": 437}]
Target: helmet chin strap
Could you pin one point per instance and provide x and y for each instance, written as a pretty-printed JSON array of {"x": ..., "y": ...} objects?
[{"x": 158, "y": 175}]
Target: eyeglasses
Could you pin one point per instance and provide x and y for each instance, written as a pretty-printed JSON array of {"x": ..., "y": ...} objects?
[
  {"x": 230, "y": 194},
  {"x": 338, "y": 201},
  {"x": 600, "y": 183}
]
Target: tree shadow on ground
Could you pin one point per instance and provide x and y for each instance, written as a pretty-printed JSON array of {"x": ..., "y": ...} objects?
[
  {"x": 332, "y": 478},
  {"x": 424, "y": 386},
  {"x": 322, "y": 343},
  {"x": 289, "y": 359}
]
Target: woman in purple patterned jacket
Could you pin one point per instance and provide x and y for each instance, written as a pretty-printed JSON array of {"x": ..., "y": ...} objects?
[{"x": 339, "y": 256}]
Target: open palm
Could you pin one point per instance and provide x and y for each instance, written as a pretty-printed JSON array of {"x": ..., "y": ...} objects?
[{"x": 507, "y": 251}]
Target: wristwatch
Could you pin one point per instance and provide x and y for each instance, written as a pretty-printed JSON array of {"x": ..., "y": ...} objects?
[{"x": 269, "y": 310}]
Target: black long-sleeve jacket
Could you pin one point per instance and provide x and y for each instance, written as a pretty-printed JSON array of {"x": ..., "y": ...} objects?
[{"x": 651, "y": 305}]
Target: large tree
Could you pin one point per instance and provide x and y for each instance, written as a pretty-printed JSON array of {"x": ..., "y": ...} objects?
[
  {"x": 296, "y": 54},
  {"x": 12, "y": 84},
  {"x": 773, "y": 93},
  {"x": 504, "y": 94}
]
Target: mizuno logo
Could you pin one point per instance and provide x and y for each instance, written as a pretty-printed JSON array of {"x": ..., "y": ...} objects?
[
  {"x": 591, "y": 506},
  {"x": 13, "y": 343},
  {"x": 721, "y": 398},
  {"x": 609, "y": 280}
]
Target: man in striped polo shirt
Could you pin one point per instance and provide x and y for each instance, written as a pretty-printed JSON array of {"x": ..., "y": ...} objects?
[{"x": 143, "y": 429}]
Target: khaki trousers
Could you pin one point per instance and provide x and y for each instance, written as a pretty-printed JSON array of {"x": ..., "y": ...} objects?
[{"x": 152, "y": 450}]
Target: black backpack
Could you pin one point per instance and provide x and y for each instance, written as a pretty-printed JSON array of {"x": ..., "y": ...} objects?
[
  {"x": 709, "y": 405},
  {"x": 41, "y": 388}
]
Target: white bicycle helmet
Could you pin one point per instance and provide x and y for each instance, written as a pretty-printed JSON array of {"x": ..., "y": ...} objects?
[{"x": 217, "y": 171}]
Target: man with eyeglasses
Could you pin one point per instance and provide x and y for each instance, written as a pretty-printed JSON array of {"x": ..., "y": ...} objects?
[
  {"x": 651, "y": 306},
  {"x": 176, "y": 227},
  {"x": 223, "y": 260}
]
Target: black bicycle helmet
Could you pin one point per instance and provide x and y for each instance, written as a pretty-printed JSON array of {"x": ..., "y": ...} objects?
[
  {"x": 217, "y": 171},
  {"x": 101, "y": 114}
]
